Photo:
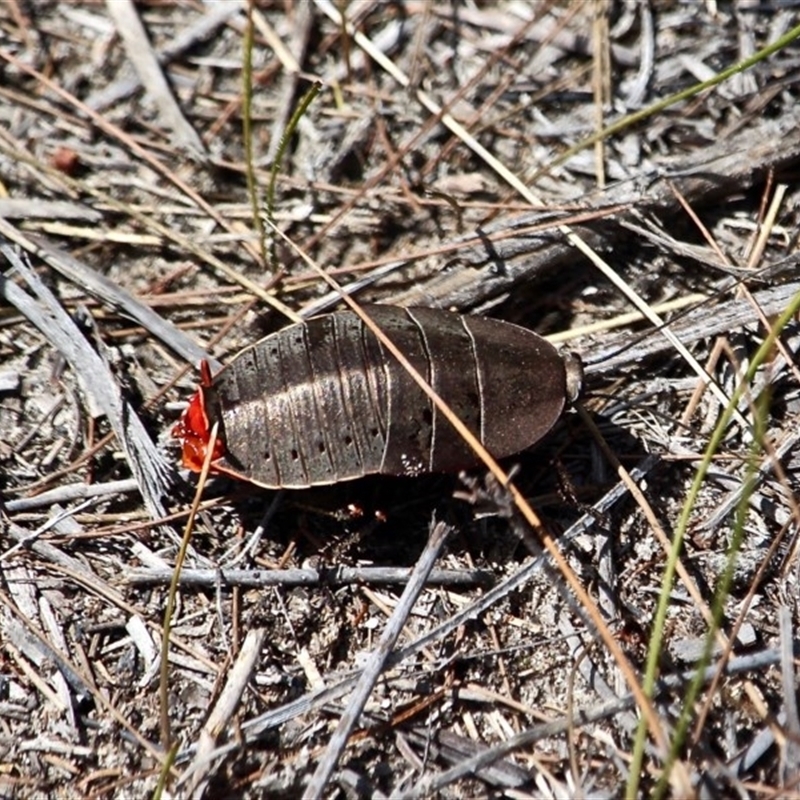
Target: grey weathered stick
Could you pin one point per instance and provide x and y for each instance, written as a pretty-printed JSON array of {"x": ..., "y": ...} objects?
[
  {"x": 725, "y": 506},
  {"x": 52, "y": 522},
  {"x": 791, "y": 749},
  {"x": 490, "y": 270},
  {"x": 9, "y": 381},
  {"x": 696, "y": 324},
  {"x": 335, "y": 576},
  {"x": 449, "y": 748},
  {"x": 108, "y": 293},
  {"x": 376, "y": 662},
  {"x": 146, "y": 463},
  {"x": 77, "y": 571},
  {"x": 198, "y": 772},
  {"x": 74, "y": 567},
  {"x": 256, "y": 726},
  {"x": 140, "y": 52},
  {"x": 429, "y": 786},
  {"x": 69, "y": 492},
  {"x": 735, "y": 666},
  {"x": 290, "y": 78},
  {"x": 37, "y": 208},
  {"x": 204, "y": 28}
]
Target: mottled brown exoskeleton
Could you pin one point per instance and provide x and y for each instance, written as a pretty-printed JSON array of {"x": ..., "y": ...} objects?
[{"x": 323, "y": 401}]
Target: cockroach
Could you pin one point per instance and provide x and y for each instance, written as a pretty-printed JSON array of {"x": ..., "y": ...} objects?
[{"x": 322, "y": 401}]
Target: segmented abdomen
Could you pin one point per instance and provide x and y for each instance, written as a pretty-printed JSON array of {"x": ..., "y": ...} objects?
[{"x": 322, "y": 401}]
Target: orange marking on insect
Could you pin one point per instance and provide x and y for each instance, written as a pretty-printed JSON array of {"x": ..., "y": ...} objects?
[{"x": 194, "y": 430}]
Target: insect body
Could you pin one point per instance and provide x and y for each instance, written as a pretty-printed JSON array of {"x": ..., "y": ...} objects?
[{"x": 323, "y": 401}]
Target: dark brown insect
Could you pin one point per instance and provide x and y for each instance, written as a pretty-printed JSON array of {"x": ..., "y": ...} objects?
[{"x": 322, "y": 401}]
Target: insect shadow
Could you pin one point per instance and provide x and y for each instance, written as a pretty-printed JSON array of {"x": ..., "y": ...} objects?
[{"x": 386, "y": 519}]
